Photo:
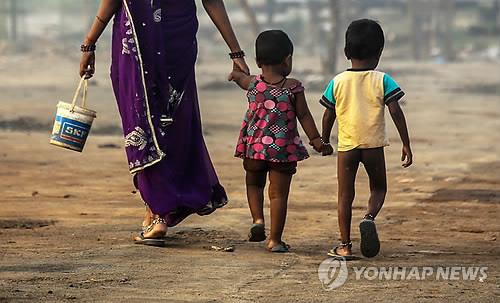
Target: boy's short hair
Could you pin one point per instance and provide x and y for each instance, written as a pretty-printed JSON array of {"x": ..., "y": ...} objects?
[
  {"x": 364, "y": 39},
  {"x": 272, "y": 47}
]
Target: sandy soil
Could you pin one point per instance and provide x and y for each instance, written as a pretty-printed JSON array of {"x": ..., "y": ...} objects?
[{"x": 67, "y": 219}]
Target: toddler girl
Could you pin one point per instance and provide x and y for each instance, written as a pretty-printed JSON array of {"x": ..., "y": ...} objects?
[{"x": 269, "y": 141}]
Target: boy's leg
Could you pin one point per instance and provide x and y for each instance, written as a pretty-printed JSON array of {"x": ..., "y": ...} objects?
[
  {"x": 256, "y": 173},
  {"x": 374, "y": 162},
  {"x": 347, "y": 167},
  {"x": 280, "y": 178}
]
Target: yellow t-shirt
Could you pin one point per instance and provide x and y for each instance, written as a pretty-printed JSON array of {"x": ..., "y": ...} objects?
[{"x": 359, "y": 98}]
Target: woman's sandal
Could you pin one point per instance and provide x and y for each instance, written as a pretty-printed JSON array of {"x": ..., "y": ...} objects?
[
  {"x": 157, "y": 239},
  {"x": 257, "y": 233},
  {"x": 334, "y": 254},
  {"x": 282, "y": 247},
  {"x": 370, "y": 244}
]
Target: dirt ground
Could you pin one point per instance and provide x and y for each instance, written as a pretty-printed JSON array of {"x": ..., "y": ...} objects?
[{"x": 67, "y": 219}]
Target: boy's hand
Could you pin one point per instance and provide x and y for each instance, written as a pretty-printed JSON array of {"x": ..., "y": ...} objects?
[
  {"x": 407, "y": 155},
  {"x": 327, "y": 150},
  {"x": 317, "y": 145}
]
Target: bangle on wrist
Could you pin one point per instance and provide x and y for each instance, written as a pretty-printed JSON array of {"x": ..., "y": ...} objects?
[
  {"x": 324, "y": 143},
  {"x": 87, "y": 48},
  {"x": 237, "y": 55}
]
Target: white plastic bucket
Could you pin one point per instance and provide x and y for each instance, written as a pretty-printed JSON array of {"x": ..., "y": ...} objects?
[{"x": 73, "y": 123}]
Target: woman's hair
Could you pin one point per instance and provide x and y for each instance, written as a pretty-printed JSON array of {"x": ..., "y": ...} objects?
[
  {"x": 364, "y": 39},
  {"x": 272, "y": 47}
]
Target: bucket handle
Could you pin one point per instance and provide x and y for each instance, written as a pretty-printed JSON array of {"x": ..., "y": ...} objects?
[{"x": 82, "y": 87}]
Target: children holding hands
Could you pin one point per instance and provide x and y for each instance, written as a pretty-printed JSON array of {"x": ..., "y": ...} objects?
[{"x": 269, "y": 142}]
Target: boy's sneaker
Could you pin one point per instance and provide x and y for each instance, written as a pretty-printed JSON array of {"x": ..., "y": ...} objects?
[{"x": 370, "y": 244}]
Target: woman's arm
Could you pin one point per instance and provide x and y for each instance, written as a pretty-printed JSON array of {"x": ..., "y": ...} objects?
[
  {"x": 217, "y": 12},
  {"x": 106, "y": 10}
]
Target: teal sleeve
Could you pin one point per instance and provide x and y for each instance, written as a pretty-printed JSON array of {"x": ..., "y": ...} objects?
[
  {"x": 392, "y": 91},
  {"x": 328, "y": 98}
]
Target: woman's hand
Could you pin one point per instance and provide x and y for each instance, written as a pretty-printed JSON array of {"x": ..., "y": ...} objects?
[
  {"x": 87, "y": 65},
  {"x": 239, "y": 64}
]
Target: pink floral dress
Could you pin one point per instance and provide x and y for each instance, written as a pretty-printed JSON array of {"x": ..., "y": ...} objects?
[{"x": 269, "y": 131}]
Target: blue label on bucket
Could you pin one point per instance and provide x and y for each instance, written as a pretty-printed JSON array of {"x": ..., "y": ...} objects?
[{"x": 72, "y": 132}]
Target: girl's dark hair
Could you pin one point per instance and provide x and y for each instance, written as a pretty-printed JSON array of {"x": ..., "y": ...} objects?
[
  {"x": 364, "y": 39},
  {"x": 272, "y": 47}
]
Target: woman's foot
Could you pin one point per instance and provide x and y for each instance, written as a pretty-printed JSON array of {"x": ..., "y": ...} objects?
[
  {"x": 157, "y": 229},
  {"x": 154, "y": 234}
]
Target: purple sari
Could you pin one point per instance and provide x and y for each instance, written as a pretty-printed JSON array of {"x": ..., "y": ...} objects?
[{"x": 153, "y": 56}]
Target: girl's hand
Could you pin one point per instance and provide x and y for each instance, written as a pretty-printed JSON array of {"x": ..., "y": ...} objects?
[
  {"x": 241, "y": 64},
  {"x": 317, "y": 145},
  {"x": 87, "y": 64}
]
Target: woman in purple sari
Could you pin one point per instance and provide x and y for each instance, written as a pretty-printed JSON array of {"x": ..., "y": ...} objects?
[{"x": 154, "y": 51}]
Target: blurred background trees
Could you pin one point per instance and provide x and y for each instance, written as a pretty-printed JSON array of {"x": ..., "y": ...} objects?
[{"x": 421, "y": 30}]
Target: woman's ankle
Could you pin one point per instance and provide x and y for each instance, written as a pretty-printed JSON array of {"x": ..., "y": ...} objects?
[{"x": 157, "y": 228}]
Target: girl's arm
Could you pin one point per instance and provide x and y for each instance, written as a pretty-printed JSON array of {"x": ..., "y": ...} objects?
[
  {"x": 243, "y": 80},
  {"x": 307, "y": 121},
  {"x": 217, "y": 12},
  {"x": 106, "y": 10},
  {"x": 399, "y": 119}
]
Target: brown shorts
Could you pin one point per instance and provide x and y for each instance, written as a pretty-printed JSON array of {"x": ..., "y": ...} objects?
[{"x": 256, "y": 166}]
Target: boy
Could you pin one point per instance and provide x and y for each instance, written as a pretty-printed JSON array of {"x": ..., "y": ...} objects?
[{"x": 357, "y": 99}]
